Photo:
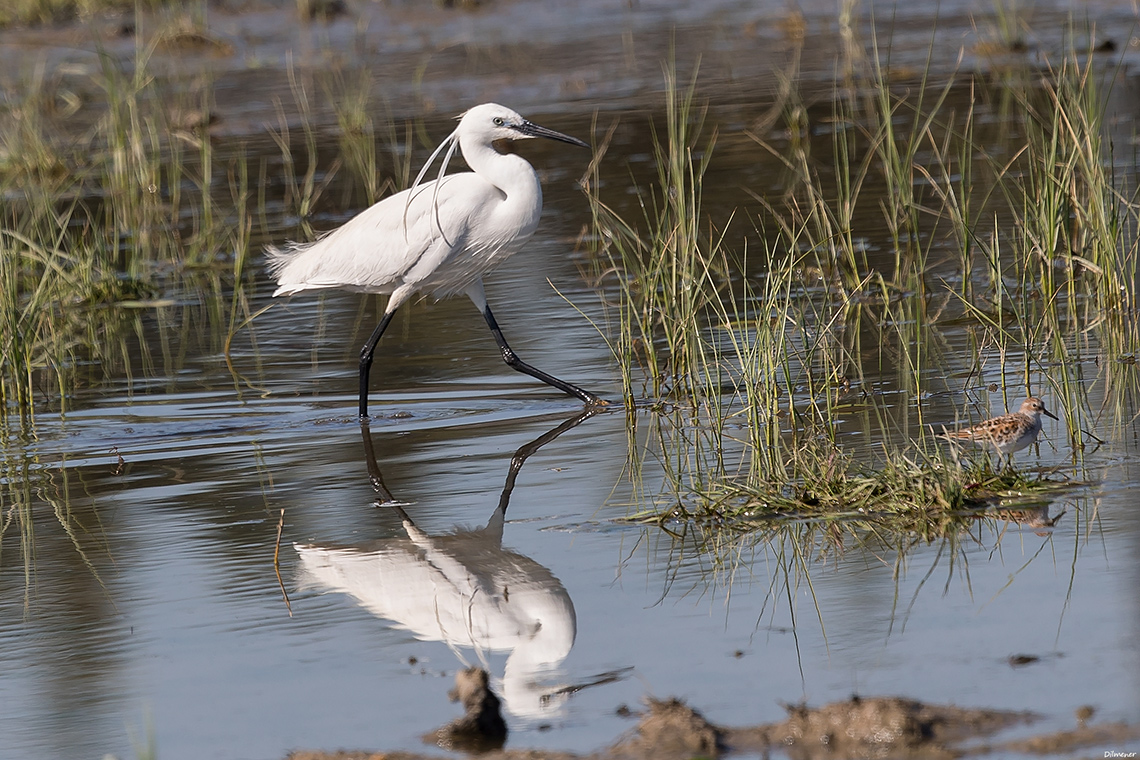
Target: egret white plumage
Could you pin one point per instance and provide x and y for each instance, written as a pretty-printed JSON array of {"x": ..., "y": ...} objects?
[{"x": 440, "y": 236}]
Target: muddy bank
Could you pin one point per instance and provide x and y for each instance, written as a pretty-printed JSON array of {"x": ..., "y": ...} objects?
[{"x": 870, "y": 727}]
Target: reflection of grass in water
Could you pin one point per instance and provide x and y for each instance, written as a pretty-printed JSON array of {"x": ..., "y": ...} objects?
[
  {"x": 788, "y": 554},
  {"x": 25, "y": 485},
  {"x": 780, "y": 355}
]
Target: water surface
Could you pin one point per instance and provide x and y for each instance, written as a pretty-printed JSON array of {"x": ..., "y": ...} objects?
[{"x": 149, "y": 603}]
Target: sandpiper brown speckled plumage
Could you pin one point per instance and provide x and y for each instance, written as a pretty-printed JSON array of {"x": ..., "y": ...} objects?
[{"x": 1008, "y": 432}]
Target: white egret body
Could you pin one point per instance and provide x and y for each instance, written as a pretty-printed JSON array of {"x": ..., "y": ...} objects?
[{"x": 440, "y": 236}]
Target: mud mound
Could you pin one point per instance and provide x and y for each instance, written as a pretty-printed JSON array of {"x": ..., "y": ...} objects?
[
  {"x": 862, "y": 728},
  {"x": 672, "y": 729},
  {"x": 482, "y": 727},
  {"x": 875, "y": 727}
]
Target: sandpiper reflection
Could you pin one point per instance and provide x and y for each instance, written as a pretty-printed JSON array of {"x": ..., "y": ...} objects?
[{"x": 462, "y": 588}]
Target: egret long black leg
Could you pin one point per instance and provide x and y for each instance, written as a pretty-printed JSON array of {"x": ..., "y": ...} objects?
[
  {"x": 514, "y": 362},
  {"x": 366, "y": 360},
  {"x": 383, "y": 495}
]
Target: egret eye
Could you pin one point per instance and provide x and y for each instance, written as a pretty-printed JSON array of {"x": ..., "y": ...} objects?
[{"x": 497, "y": 121}]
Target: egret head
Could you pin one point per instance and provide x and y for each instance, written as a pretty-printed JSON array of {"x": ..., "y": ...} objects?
[
  {"x": 487, "y": 126},
  {"x": 493, "y": 123}
]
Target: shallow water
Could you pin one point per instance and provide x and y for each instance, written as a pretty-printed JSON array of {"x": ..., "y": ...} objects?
[
  {"x": 185, "y": 632},
  {"x": 161, "y": 613}
]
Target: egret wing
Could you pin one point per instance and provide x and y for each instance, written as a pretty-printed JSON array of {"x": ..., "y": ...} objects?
[{"x": 402, "y": 239}]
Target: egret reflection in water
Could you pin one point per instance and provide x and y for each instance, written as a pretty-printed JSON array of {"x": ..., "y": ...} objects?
[{"x": 461, "y": 588}]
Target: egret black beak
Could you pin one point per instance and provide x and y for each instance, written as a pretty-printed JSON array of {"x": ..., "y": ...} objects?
[{"x": 533, "y": 130}]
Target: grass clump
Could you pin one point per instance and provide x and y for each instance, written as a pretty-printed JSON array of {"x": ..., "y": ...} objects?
[
  {"x": 670, "y": 276},
  {"x": 121, "y": 214},
  {"x": 1022, "y": 240},
  {"x": 101, "y": 221},
  {"x": 817, "y": 480}
]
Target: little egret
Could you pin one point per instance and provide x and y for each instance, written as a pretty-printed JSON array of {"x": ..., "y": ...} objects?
[{"x": 440, "y": 236}]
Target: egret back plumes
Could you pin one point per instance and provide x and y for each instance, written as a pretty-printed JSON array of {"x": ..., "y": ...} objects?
[{"x": 439, "y": 236}]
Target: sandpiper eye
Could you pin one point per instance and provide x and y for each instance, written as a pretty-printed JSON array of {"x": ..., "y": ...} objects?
[{"x": 497, "y": 121}]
